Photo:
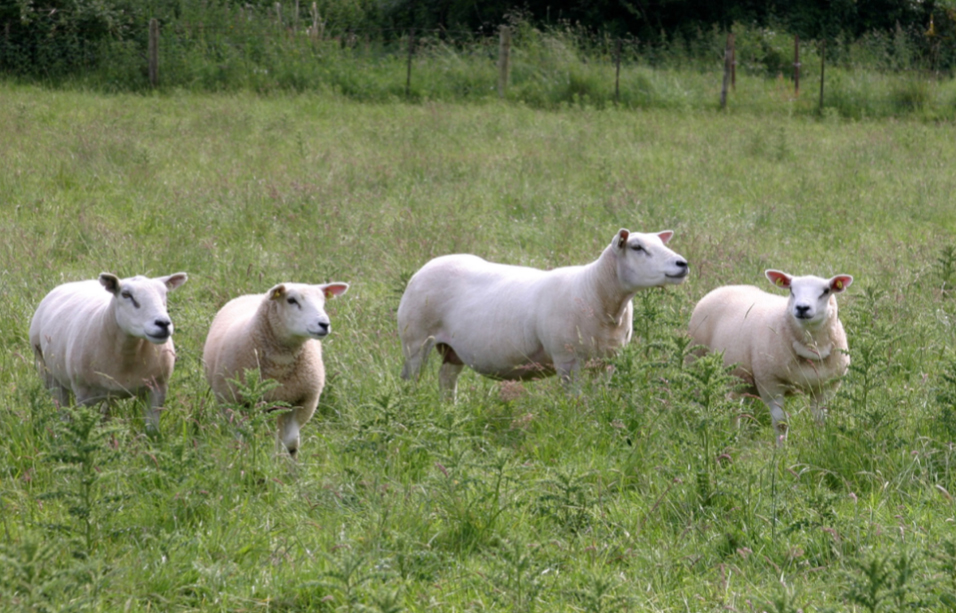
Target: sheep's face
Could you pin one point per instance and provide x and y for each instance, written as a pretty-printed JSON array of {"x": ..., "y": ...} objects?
[
  {"x": 644, "y": 260},
  {"x": 301, "y": 308},
  {"x": 812, "y": 299},
  {"x": 139, "y": 304}
]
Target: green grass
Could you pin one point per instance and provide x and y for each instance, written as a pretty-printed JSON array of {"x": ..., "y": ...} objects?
[{"x": 637, "y": 495}]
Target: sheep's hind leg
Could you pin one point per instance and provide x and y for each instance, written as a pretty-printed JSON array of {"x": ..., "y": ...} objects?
[
  {"x": 448, "y": 373},
  {"x": 61, "y": 393}
]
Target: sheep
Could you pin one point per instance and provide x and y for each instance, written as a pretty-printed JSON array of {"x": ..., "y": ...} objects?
[
  {"x": 277, "y": 334},
  {"x": 780, "y": 345},
  {"x": 515, "y": 323},
  {"x": 107, "y": 338}
]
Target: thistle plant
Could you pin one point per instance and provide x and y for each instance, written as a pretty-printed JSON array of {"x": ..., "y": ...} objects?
[{"x": 85, "y": 449}]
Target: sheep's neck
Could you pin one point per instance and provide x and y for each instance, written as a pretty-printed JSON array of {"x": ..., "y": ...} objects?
[
  {"x": 288, "y": 346},
  {"x": 602, "y": 282},
  {"x": 124, "y": 345},
  {"x": 813, "y": 344},
  {"x": 813, "y": 352}
]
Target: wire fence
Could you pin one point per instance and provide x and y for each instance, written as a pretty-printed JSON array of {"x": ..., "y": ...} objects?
[{"x": 289, "y": 49}]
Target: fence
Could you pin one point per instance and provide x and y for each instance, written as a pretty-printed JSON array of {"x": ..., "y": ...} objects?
[{"x": 282, "y": 51}]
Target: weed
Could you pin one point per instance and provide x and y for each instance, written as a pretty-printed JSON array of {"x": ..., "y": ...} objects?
[
  {"x": 884, "y": 580},
  {"x": 706, "y": 385},
  {"x": 85, "y": 451}
]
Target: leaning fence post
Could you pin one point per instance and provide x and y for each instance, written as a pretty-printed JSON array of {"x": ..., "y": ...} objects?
[
  {"x": 152, "y": 52},
  {"x": 408, "y": 74},
  {"x": 733, "y": 62},
  {"x": 504, "y": 51},
  {"x": 796, "y": 65},
  {"x": 314, "y": 30},
  {"x": 617, "y": 72},
  {"x": 727, "y": 56},
  {"x": 823, "y": 63}
]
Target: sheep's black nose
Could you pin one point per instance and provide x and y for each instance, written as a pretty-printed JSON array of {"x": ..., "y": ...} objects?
[
  {"x": 163, "y": 323},
  {"x": 324, "y": 327},
  {"x": 802, "y": 310}
]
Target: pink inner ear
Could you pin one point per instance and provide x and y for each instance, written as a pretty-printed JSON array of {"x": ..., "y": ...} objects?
[
  {"x": 840, "y": 282},
  {"x": 665, "y": 236},
  {"x": 778, "y": 278},
  {"x": 334, "y": 289}
]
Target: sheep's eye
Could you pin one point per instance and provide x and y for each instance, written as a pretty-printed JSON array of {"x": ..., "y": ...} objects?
[
  {"x": 825, "y": 292},
  {"x": 293, "y": 301},
  {"x": 126, "y": 294},
  {"x": 638, "y": 248}
]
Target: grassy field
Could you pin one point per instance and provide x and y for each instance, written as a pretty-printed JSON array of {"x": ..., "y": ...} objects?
[{"x": 638, "y": 495}]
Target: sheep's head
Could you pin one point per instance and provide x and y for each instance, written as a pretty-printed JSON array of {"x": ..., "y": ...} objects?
[
  {"x": 300, "y": 309},
  {"x": 644, "y": 260},
  {"x": 812, "y": 299},
  {"x": 140, "y": 304}
]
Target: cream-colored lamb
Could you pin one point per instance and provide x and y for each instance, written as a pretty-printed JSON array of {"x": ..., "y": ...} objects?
[
  {"x": 276, "y": 334},
  {"x": 107, "y": 338},
  {"x": 780, "y": 345},
  {"x": 513, "y": 322}
]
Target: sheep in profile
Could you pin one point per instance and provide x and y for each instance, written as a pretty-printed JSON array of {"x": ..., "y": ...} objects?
[
  {"x": 276, "y": 334},
  {"x": 780, "y": 345},
  {"x": 107, "y": 338},
  {"x": 513, "y": 322}
]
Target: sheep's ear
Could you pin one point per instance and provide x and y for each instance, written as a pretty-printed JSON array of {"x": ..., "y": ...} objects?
[
  {"x": 174, "y": 280},
  {"x": 840, "y": 283},
  {"x": 665, "y": 235},
  {"x": 620, "y": 240},
  {"x": 110, "y": 281},
  {"x": 277, "y": 292},
  {"x": 334, "y": 289},
  {"x": 780, "y": 279}
]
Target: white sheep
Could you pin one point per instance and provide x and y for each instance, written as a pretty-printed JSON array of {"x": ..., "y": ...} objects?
[
  {"x": 780, "y": 345},
  {"x": 276, "y": 334},
  {"x": 107, "y": 338},
  {"x": 513, "y": 322}
]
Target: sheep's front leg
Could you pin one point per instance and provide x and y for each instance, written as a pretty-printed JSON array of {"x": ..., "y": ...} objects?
[
  {"x": 448, "y": 380},
  {"x": 568, "y": 370},
  {"x": 448, "y": 373},
  {"x": 779, "y": 417},
  {"x": 817, "y": 402},
  {"x": 289, "y": 433},
  {"x": 157, "y": 398}
]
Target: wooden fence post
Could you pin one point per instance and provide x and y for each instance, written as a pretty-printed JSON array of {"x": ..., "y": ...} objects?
[
  {"x": 152, "y": 52},
  {"x": 723, "y": 89},
  {"x": 823, "y": 63},
  {"x": 504, "y": 60},
  {"x": 408, "y": 74},
  {"x": 733, "y": 62},
  {"x": 796, "y": 65},
  {"x": 314, "y": 32},
  {"x": 617, "y": 72}
]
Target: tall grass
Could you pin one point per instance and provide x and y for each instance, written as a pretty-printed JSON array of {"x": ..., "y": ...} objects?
[{"x": 638, "y": 494}]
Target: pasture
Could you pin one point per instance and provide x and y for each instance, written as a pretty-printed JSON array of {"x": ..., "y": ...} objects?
[{"x": 638, "y": 495}]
